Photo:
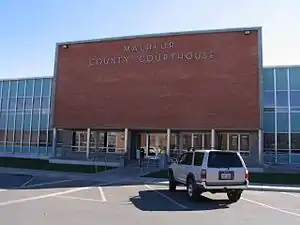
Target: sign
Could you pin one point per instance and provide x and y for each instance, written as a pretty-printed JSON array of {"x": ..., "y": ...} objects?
[{"x": 146, "y": 55}]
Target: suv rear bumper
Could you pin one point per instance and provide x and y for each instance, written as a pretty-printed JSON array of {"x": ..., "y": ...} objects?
[{"x": 203, "y": 185}]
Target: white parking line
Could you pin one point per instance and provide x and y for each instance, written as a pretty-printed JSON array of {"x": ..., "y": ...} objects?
[
  {"x": 102, "y": 194},
  {"x": 43, "y": 196},
  {"x": 27, "y": 182},
  {"x": 166, "y": 197},
  {"x": 270, "y": 207},
  {"x": 3, "y": 190},
  {"x": 48, "y": 183},
  {"x": 81, "y": 199},
  {"x": 291, "y": 194}
]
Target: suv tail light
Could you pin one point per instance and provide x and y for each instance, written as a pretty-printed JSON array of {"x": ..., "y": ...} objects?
[
  {"x": 247, "y": 175},
  {"x": 203, "y": 174}
]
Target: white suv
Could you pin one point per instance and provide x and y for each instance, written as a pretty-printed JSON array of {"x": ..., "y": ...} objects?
[{"x": 214, "y": 171}]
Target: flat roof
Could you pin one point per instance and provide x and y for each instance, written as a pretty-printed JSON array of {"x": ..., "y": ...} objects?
[{"x": 239, "y": 29}]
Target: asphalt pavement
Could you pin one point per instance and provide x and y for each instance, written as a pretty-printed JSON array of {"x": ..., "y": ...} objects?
[{"x": 28, "y": 200}]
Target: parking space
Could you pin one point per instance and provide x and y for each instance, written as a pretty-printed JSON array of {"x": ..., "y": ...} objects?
[{"x": 55, "y": 201}]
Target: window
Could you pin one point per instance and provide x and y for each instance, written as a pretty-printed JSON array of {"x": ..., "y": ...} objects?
[
  {"x": 17, "y": 139},
  {"x": 233, "y": 142},
  {"x": 207, "y": 141},
  {"x": 34, "y": 138},
  {"x": 295, "y": 99},
  {"x": 12, "y": 104},
  {"x": 282, "y": 141},
  {"x": 295, "y": 78},
  {"x": 198, "y": 158},
  {"x": 282, "y": 98},
  {"x": 20, "y": 104},
  {"x": 45, "y": 103},
  {"x": 35, "y": 121},
  {"x": 187, "y": 141},
  {"x": 269, "y": 99},
  {"x": 222, "y": 141},
  {"x": 282, "y": 122},
  {"x": 269, "y": 141},
  {"x": 295, "y": 140},
  {"x": 28, "y": 104},
  {"x": 295, "y": 122},
  {"x": 223, "y": 160},
  {"x": 186, "y": 159},
  {"x": 29, "y": 87},
  {"x": 244, "y": 142},
  {"x": 10, "y": 122},
  {"x": 281, "y": 79},
  {"x": 268, "y": 79},
  {"x": 5, "y": 89},
  {"x": 269, "y": 122},
  {"x": 13, "y": 88},
  {"x": 21, "y": 88},
  {"x": 4, "y": 103},
  {"x": 37, "y": 87},
  {"x": 36, "y": 103},
  {"x": 19, "y": 118},
  {"x": 46, "y": 89},
  {"x": 197, "y": 141}
]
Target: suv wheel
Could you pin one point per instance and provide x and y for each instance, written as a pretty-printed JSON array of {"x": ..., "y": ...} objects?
[
  {"x": 234, "y": 196},
  {"x": 172, "y": 182},
  {"x": 192, "y": 190}
]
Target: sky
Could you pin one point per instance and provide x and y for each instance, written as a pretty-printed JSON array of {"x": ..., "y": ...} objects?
[{"x": 30, "y": 29}]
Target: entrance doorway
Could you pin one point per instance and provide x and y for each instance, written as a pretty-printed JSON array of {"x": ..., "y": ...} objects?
[{"x": 153, "y": 143}]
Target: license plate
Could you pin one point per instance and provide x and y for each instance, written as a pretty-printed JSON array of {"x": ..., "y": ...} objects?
[{"x": 226, "y": 175}]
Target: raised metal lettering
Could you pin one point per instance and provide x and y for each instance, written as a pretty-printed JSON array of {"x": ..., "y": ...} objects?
[
  {"x": 189, "y": 55},
  {"x": 127, "y": 48}
]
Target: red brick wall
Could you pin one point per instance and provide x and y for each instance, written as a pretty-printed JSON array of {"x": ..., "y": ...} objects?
[{"x": 214, "y": 87}]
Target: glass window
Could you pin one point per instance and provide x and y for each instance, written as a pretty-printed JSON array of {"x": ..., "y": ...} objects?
[
  {"x": 10, "y": 122},
  {"x": 188, "y": 160},
  {"x": 17, "y": 139},
  {"x": 269, "y": 99},
  {"x": 29, "y": 87},
  {"x": 198, "y": 158},
  {"x": 295, "y": 98},
  {"x": 295, "y": 78},
  {"x": 268, "y": 79},
  {"x": 28, "y": 104},
  {"x": 295, "y": 138},
  {"x": 3, "y": 119},
  {"x": 35, "y": 121},
  {"x": 207, "y": 141},
  {"x": 10, "y": 137},
  {"x": 187, "y": 141},
  {"x": 282, "y": 122},
  {"x": 282, "y": 98},
  {"x": 5, "y": 88},
  {"x": 295, "y": 122},
  {"x": 43, "y": 138},
  {"x": 4, "y": 103},
  {"x": 46, "y": 90},
  {"x": 197, "y": 141},
  {"x": 2, "y": 137},
  {"x": 50, "y": 137},
  {"x": 19, "y": 118},
  {"x": 269, "y": 122},
  {"x": 269, "y": 141},
  {"x": 37, "y": 87},
  {"x": 282, "y": 141},
  {"x": 13, "y": 88},
  {"x": 26, "y": 138},
  {"x": 233, "y": 142},
  {"x": 45, "y": 103},
  {"x": 244, "y": 142},
  {"x": 21, "y": 88},
  {"x": 222, "y": 141},
  {"x": 36, "y": 103},
  {"x": 223, "y": 160},
  {"x": 27, "y": 121},
  {"x": 34, "y": 138},
  {"x": 281, "y": 79},
  {"x": 20, "y": 104},
  {"x": 44, "y": 121},
  {"x": 12, "y": 104}
]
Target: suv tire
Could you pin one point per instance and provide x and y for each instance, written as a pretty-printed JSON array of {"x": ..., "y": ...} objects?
[
  {"x": 172, "y": 182},
  {"x": 234, "y": 196},
  {"x": 192, "y": 190}
]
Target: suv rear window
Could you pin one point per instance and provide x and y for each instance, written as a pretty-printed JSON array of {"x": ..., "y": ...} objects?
[{"x": 223, "y": 160}]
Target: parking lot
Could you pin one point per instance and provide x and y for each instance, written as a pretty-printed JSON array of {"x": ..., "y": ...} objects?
[{"x": 34, "y": 200}]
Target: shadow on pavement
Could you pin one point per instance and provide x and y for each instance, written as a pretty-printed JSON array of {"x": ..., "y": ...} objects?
[{"x": 150, "y": 200}]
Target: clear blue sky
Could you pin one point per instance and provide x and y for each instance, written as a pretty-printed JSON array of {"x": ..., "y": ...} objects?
[{"x": 29, "y": 29}]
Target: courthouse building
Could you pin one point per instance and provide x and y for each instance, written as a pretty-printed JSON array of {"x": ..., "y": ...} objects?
[{"x": 164, "y": 92}]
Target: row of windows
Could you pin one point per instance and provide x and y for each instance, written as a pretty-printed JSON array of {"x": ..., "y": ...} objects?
[
  {"x": 281, "y": 78},
  {"x": 282, "y": 141},
  {"x": 27, "y": 121},
  {"x": 282, "y": 99},
  {"x": 30, "y": 87},
  {"x": 282, "y": 122},
  {"x": 40, "y": 138},
  {"x": 20, "y": 104}
]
